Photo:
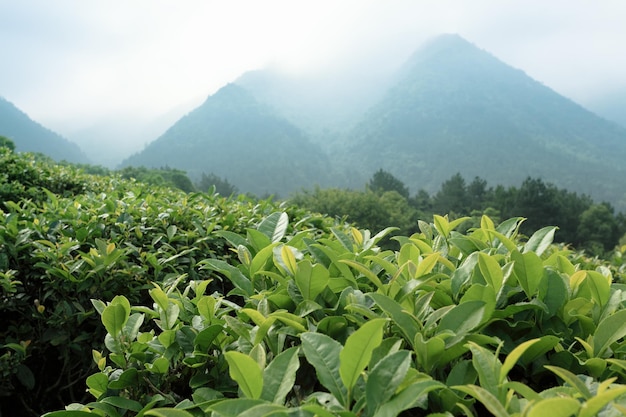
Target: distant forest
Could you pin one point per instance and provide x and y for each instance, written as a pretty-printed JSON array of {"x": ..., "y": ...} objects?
[{"x": 386, "y": 201}]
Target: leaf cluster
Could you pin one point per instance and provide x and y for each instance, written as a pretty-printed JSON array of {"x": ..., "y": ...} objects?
[
  {"x": 451, "y": 323},
  {"x": 93, "y": 238}
]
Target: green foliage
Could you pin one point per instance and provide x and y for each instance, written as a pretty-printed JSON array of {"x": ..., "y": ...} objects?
[
  {"x": 213, "y": 182},
  {"x": 96, "y": 237},
  {"x": 30, "y": 136},
  {"x": 589, "y": 226},
  {"x": 164, "y": 176},
  {"x": 448, "y": 324},
  {"x": 7, "y": 143},
  {"x": 195, "y": 304},
  {"x": 383, "y": 181},
  {"x": 370, "y": 210},
  {"x": 26, "y": 176}
]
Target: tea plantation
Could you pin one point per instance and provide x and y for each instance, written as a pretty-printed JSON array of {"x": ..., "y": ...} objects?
[{"x": 122, "y": 299}]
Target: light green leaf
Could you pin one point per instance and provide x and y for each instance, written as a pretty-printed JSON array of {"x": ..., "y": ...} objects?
[
  {"x": 513, "y": 357},
  {"x": 244, "y": 255},
  {"x": 491, "y": 271},
  {"x": 123, "y": 403},
  {"x": 367, "y": 272},
  {"x": 323, "y": 353},
  {"x": 160, "y": 297},
  {"x": 407, "y": 398},
  {"x": 114, "y": 318},
  {"x": 540, "y": 240},
  {"x": 280, "y": 375},
  {"x": 233, "y": 407},
  {"x": 571, "y": 379},
  {"x": 167, "y": 412},
  {"x": 232, "y": 273},
  {"x": 385, "y": 378},
  {"x": 311, "y": 280},
  {"x": 427, "y": 264},
  {"x": 610, "y": 330},
  {"x": 274, "y": 226},
  {"x": 160, "y": 365},
  {"x": 97, "y": 384},
  {"x": 528, "y": 269},
  {"x": 488, "y": 367},
  {"x": 246, "y": 372},
  {"x": 357, "y": 352},
  {"x": 599, "y": 287},
  {"x": 126, "y": 379},
  {"x": 261, "y": 258},
  {"x": 285, "y": 259},
  {"x": 554, "y": 407},
  {"x": 593, "y": 405},
  {"x": 442, "y": 225},
  {"x": 206, "y": 307},
  {"x": 404, "y": 320},
  {"x": 487, "y": 399},
  {"x": 463, "y": 318}
]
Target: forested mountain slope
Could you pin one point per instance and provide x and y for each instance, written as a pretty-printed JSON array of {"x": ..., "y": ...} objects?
[
  {"x": 30, "y": 136},
  {"x": 456, "y": 108},
  {"x": 234, "y": 136}
]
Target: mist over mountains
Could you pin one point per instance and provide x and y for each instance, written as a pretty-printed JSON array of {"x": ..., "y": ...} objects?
[
  {"x": 30, "y": 136},
  {"x": 450, "y": 108}
]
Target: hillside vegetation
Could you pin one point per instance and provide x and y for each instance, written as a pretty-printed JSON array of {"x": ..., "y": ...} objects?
[
  {"x": 30, "y": 136},
  {"x": 200, "y": 305}
]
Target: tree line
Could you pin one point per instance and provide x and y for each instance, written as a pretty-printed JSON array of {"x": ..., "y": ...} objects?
[{"x": 386, "y": 201}]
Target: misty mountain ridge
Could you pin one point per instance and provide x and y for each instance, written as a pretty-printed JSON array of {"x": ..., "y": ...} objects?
[
  {"x": 30, "y": 136},
  {"x": 452, "y": 107},
  {"x": 458, "y": 108},
  {"x": 239, "y": 139}
]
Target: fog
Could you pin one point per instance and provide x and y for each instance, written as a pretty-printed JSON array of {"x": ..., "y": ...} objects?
[{"x": 120, "y": 71}]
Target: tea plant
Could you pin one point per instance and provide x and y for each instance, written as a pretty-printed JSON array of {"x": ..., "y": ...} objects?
[
  {"x": 448, "y": 324},
  {"x": 109, "y": 237}
]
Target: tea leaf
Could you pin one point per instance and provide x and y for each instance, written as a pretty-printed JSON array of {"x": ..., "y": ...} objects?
[
  {"x": 280, "y": 375},
  {"x": 323, "y": 353},
  {"x": 610, "y": 330},
  {"x": 571, "y": 379},
  {"x": 513, "y": 357},
  {"x": 311, "y": 280},
  {"x": 357, "y": 352},
  {"x": 114, "y": 317},
  {"x": 407, "y": 398},
  {"x": 246, "y": 372},
  {"x": 540, "y": 240},
  {"x": 385, "y": 378},
  {"x": 274, "y": 226},
  {"x": 489, "y": 400},
  {"x": 554, "y": 407}
]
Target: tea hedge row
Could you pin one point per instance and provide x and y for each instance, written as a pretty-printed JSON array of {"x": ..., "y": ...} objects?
[
  {"x": 449, "y": 324},
  {"x": 94, "y": 237}
]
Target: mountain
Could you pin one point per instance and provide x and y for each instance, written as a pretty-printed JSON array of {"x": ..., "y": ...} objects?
[
  {"x": 235, "y": 137},
  {"x": 457, "y": 108},
  {"x": 30, "y": 136},
  {"x": 324, "y": 106},
  {"x": 611, "y": 106}
]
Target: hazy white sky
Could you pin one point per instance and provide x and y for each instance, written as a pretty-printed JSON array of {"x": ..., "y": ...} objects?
[{"x": 69, "y": 63}]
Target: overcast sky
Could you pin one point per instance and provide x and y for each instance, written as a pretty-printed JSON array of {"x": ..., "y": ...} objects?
[{"x": 69, "y": 63}]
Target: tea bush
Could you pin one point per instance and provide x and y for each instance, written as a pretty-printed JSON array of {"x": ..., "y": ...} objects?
[
  {"x": 67, "y": 238},
  {"x": 484, "y": 322}
]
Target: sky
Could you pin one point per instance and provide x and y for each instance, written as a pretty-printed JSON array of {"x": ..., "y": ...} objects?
[{"x": 75, "y": 64}]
